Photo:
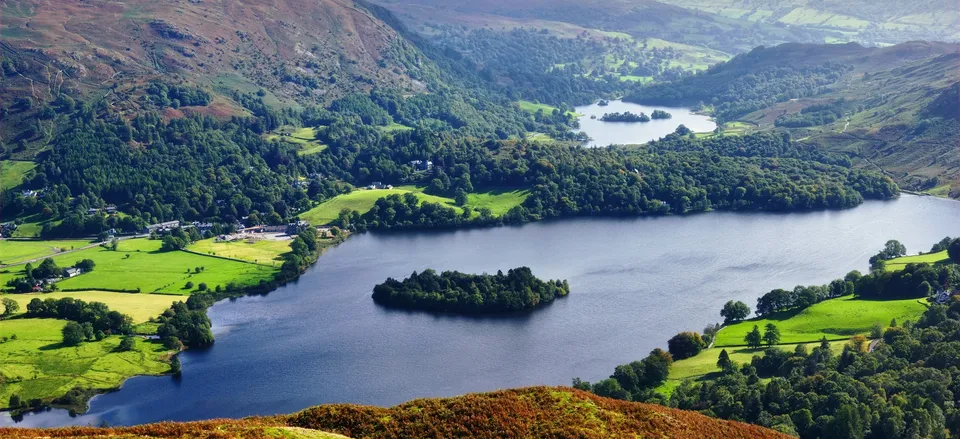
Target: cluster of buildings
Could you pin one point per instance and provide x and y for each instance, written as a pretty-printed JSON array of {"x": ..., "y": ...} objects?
[
  {"x": 379, "y": 185},
  {"x": 42, "y": 284},
  {"x": 109, "y": 210},
  {"x": 422, "y": 165},
  {"x": 7, "y": 229}
]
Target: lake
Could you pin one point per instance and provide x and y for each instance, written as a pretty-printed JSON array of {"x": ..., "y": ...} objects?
[
  {"x": 623, "y": 133},
  {"x": 635, "y": 282}
]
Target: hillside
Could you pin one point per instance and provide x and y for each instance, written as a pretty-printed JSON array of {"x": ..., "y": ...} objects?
[
  {"x": 541, "y": 412},
  {"x": 892, "y": 109},
  {"x": 299, "y": 49}
]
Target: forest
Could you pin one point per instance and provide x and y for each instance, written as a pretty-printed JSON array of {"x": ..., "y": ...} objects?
[{"x": 462, "y": 293}]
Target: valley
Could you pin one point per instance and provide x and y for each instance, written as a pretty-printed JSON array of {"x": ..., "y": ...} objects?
[{"x": 214, "y": 209}]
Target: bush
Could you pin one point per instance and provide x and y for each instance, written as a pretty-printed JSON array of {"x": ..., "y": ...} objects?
[{"x": 685, "y": 345}]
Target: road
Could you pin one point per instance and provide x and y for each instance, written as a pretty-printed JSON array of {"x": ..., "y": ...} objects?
[{"x": 30, "y": 261}]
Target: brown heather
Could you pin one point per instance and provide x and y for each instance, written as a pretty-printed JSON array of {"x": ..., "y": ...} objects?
[{"x": 535, "y": 412}]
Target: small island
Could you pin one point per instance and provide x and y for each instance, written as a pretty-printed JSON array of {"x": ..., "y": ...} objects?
[
  {"x": 462, "y": 293},
  {"x": 603, "y": 103},
  {"x": 660, "y": 114},
  {"x": 625, "y": 117}
]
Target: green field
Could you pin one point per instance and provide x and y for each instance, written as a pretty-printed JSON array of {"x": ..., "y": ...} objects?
[
  {"x": 36, "y": 365},
  {"x": 12, "y": 172},
  {"x": 32, "y": 225},
  {"x": 265, "y": 251},
  {"x": 12, "y": 252},
  {"x": 140, "y": 307},
  {"x": 394, "y": 127},
  {"x": 835, "y": 319},
  {"x": 929, "y": 258},
  {"x": 305, "y": 138},
  {"x": 362, "y": 200},
  {"x": 150, "y": 270},
  {"x": 498, "y": 201},
  {"x": 532, "y": 108},
  {"x": 705, "y": 362}
]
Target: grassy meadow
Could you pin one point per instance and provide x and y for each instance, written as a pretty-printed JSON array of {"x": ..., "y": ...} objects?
[
  {"x": 362, "y": 200},
  {"x": 835, "y": 319},
  {"x": 12, "y": 252},
  {"x": 36, "y": 365},
  {"x": 140, "y": 307},
  {"x": 12, "y": 173},
  {"x": 929, "y": 258},
  {"x": 705, "y": 363},
  {"x": 265, "y": 251},
  {"x": 138, "y": 263},
  {"x": 532, "y": 108},
  {"x": 305, "y": 138}
]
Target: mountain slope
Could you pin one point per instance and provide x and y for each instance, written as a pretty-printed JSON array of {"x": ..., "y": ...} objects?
[
  {"x": 310, "y": 50},
  {"x": 541, "y": 412},
  {"x": 890, "y": 108}
]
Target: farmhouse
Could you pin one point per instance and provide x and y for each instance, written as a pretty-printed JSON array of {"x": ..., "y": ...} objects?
[
  {"x": 379, "y": 185},
  {"x": 161, "y": 227},
  {"x": 73, "y": 272},
  {"x": 422, "y": 165}
]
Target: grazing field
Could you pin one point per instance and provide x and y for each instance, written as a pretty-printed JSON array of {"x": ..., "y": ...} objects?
[
  {"x": 12, "y": 252},
  {"x": 265, "y": 251},
  {"x": 498, "y": 200},
  {"x": 362, "y": 200},
  {"x": 835, "y": 319},
  {"x": 12, "y": 172},
  {"x": 929, "y": 258},
  {"x": 705, "y": 362},
  {"x": 138, "y": 264},
  {"x": 140, "y": 307},
  {"x": 532, "y": 108},
  {"x": 306, "y": 138},
  {"x": 394, "y": 127},
  {"x": 36, "y": 365}
]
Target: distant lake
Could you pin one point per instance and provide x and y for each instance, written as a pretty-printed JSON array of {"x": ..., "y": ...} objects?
[
  {"x": 635, "y": 282},
  {"x": 624, "y": 133}
]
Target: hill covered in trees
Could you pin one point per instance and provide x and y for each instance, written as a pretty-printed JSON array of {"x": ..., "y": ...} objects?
[
  {"x": 891, "y": 108},
  {"x": 542, "y": 412}
]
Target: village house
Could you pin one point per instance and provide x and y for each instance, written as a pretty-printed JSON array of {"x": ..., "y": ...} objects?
[
  {"x": 73, "y": 272},
  {"x": 379, "y": 185},
  {"x": 421, "y": 165},
  {"x": 161, "y": 227}
]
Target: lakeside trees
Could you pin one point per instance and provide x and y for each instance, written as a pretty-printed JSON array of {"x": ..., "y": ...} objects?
[
  {"x": 453, "y": 291},
  {"x": 734, "y": 312},
  {"x": 685, "y": 345}
]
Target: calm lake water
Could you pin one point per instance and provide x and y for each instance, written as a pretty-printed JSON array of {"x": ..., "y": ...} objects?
[
  {"x": 635, "y": 282},
  {"x": 621, "y": 133}
]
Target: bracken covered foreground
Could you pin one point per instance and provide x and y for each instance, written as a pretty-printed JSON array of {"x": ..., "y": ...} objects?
[{"x": 536, "y": 412}]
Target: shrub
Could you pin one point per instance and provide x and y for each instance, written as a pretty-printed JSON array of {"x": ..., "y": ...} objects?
[{"x": 685, "y": 345}]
